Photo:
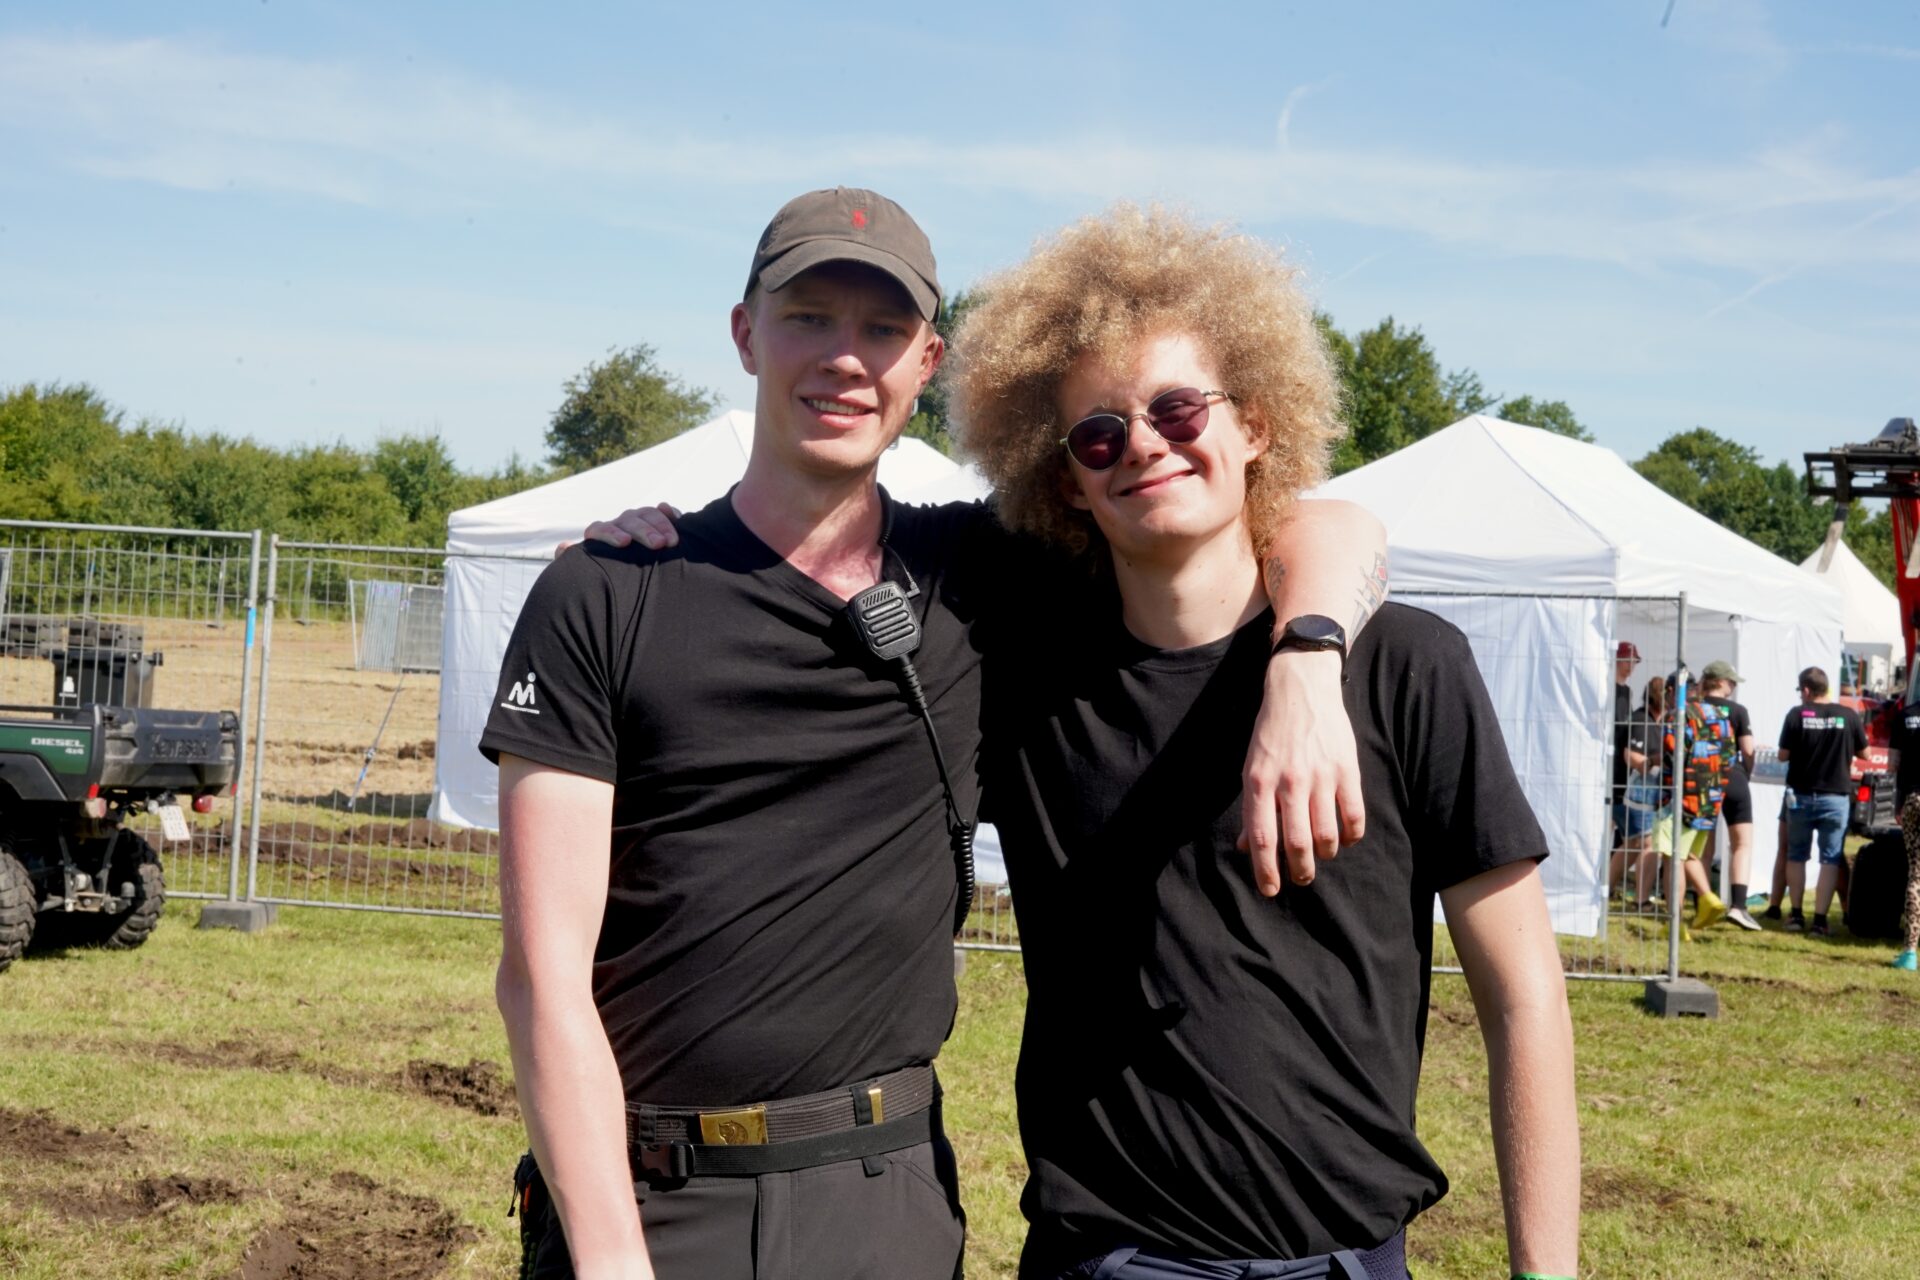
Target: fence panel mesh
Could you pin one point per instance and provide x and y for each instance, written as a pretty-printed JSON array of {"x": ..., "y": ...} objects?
[
  {"x": 128, "y": 617},
  {"x": 349, "y": 739},
  {"x": 1549, "y": 665}
]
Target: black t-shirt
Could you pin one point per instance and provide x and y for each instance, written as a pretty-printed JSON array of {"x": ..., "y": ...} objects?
[
  {"x": 1906, "y": 739},
  {"x": 1821, "y": 740},
  {"x": 1622, "y": 717},
  {"x": 779, "y": 917},
  {"x": 1206, "y": 1071}
]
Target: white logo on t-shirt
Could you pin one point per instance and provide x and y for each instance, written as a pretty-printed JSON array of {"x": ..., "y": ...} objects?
[{"x": 520, "y": 698}]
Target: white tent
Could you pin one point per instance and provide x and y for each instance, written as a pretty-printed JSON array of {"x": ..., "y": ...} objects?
[
  {"x": 1546, "y": 552},
  {"x": 501, "y": 546},
  {"x": 1870, "y": 624}
]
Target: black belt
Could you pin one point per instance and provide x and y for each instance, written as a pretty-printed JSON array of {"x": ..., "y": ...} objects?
[{"x": 864, "y": 1119}]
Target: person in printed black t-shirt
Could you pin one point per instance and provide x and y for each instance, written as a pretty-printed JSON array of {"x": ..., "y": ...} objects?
[
  {"x": 1717, "y": 682},
  {"x": 1213, "y": 1083},
  {"x": 727, "y": 886},
  {"x": 1819, "y": 740}
]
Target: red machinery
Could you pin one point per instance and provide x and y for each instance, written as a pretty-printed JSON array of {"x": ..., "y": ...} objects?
[{"x": 1887, "y": 466}]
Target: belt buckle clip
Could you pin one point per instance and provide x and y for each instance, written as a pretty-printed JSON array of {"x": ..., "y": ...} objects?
[{"x": 742, "y": 1128}]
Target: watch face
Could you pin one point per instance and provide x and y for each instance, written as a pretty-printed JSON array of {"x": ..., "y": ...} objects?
[{"x": 1319, "y": 629}]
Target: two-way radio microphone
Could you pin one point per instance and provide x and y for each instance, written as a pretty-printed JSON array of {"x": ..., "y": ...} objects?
[{"x": 883, "y": 618}]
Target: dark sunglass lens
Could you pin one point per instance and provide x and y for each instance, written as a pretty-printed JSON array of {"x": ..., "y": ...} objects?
[
  {"x": 1096, "y": 443},
  {"x": 1179, "y": 416}
]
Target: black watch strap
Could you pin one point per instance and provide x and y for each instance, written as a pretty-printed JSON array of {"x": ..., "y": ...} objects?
[{"x": 1315, "y": 633}]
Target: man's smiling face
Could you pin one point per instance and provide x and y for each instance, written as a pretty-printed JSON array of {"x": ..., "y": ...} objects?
[
  {"x": 1160, "y": 498},
  {"x": 840, "y": 354}
]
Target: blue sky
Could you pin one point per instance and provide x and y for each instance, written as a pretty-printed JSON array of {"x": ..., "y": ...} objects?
[{"x": 318, "y": 221}]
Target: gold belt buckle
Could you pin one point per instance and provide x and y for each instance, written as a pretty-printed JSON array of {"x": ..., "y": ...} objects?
[{"x": 743, "y": 1128}]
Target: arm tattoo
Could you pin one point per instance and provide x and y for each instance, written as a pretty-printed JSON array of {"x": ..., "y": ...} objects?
[
  {"x": 1275, "y": 573},
  {"x": 1370, "y": 594}
]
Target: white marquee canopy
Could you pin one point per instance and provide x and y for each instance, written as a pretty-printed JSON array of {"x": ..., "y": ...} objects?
[{"x": 1547, "y": 552}]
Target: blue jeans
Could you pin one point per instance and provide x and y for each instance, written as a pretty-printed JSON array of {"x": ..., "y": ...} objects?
[{"x": 1822, "y": 815}]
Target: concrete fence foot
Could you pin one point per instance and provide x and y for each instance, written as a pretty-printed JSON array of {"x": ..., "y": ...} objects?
[
  {"x": 1682, "y": 998},
  {"x": 247, "y": 917}
]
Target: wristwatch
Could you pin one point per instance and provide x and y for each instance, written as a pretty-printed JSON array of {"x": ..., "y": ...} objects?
[{"x": 1314, "y": 632}]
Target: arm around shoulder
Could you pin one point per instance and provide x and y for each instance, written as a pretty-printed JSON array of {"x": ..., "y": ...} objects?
[
  {"x": 555, "y": 834},
  {"x": 1300, "y": 793},
  {"x": 1498, "y": 920}
]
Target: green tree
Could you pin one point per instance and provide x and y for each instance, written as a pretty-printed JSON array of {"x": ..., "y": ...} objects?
[
  {"x": 423, "y": 478},
  {"x": 1395, "y": 392},
  {"x": 1726, "y": 481},
  {"x": 1548, "y": 415},
  {"x": 934, "y": 423},
  {"x": 620, "y": 405},
  {"x": 50, "y": 437}
]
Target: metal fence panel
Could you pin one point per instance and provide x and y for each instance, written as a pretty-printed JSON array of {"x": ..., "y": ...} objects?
[
  {"x": 1562, "y": 746},
  {"x": 129, "y": 615},
  {"x": 348, "y": 738}
]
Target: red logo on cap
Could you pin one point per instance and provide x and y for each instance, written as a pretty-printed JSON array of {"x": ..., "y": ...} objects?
[{"x": 859, "y": 219}]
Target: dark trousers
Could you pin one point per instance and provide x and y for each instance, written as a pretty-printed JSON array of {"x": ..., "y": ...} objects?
[
  {"x": 1383, "y": 1262},
  {"x": 892, "y": 1217}
]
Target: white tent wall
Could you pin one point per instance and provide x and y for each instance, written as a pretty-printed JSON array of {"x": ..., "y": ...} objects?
[
  {"x": 1770, "y": 657},
  {"x": 1547, "y": 664},
  {"x": 497, "y": 549},
  {"x": 483, "y": 602}
]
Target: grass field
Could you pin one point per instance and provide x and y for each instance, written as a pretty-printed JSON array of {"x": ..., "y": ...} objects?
[{"x": 328, "y": 1100}]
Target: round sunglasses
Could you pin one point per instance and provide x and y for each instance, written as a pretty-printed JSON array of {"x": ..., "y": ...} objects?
[{"x": 1178, "y": 417}]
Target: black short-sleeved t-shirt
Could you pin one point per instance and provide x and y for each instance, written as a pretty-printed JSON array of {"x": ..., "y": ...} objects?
[
  {"x": 780, "y": 907},
  {"x": 1821, "y": 740},
  {"x": 1207, "y": 1072},
  {"x": 1906, "y": 740}
]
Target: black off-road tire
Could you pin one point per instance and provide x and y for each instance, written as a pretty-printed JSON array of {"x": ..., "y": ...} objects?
[
  {"x": 17, "y": 909},
  {"x": 135, "y": 860}
]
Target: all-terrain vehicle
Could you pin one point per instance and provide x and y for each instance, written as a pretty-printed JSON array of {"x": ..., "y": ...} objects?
[{"x": 74, "y": 773}]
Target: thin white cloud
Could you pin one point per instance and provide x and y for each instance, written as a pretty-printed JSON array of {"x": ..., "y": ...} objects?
[{"x": 195, "y": 116}]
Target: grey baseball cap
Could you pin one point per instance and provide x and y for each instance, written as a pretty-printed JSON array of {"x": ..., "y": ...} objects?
[
  {"x": 847, "y": 224},
  {"x": 1720, "y": 670}
]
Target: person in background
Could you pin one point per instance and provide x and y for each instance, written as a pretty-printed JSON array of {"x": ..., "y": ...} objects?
[
  {"x": 1819, "y": 739},
  {"x": 1626, "y": 656},
  {"x": 1906, "y": 741},
  {"x": 1717, "y": 683},
  {"x": 1695, "y": 786},
  {"x": 1643, "y": 795}
]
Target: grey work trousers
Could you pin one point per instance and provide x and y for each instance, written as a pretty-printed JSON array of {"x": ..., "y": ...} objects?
[{"x": 901, "y": 1221}]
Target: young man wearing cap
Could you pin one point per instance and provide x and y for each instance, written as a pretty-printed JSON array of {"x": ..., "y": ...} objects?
[
  {"x": 1818, "y": 740},
  {"x": 1717, "y": 683},
  {"x": 745, "y": 1019}
]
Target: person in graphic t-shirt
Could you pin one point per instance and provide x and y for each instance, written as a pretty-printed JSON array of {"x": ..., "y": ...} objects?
[
  {"x": 1819, "y": 740},
  {"x": 1717, "y": 683},
  {"x": 1211, "y": 1082}
]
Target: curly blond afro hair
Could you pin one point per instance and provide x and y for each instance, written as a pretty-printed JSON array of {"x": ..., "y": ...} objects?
[{"x": 1104, "y": 285}]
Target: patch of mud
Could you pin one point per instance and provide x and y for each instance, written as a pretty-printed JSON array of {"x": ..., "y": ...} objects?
[
  {"x": 478, "y": 1086},
  {"x": 354, "y": 1228},
  {"x": 1629, "y": 1189},
  {"x": 238, "y": 1055},
  {"x": 125, "y": 1202},
  {"x": 37, "y": 1135}
]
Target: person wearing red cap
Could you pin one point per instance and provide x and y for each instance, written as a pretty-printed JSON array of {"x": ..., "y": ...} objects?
[{"x": 733, "y": 1043}]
